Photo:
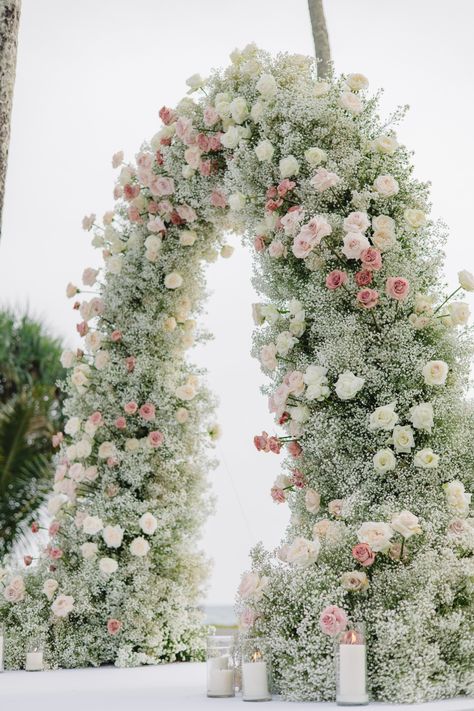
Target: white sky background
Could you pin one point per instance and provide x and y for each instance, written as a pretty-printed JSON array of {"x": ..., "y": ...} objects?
[{"x": 91, "y": 78}]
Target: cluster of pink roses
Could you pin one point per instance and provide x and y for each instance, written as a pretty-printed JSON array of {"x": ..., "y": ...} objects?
[{"x": 395, "y": 287}]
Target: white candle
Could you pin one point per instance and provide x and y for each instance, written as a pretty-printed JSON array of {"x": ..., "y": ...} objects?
[
  {"x": 220, "y": 679},
  {"x": 1, "y": 652},
  {"x": 352, "y": 675},
  {"x": 34, "y": 661},
  {"x": 255, "y": 681}
]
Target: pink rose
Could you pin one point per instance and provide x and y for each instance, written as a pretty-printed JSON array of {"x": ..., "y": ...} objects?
[
  {"x": 294, "y": 448},
  {"x": 116, "y": 336},
  {"x": 156, "y": 224},
  {"x": 203, "y": 142},
  {"x": 130, "y": 363},
  {"x": 397, "y": 288},
  {"x": 368, "y": 298},
  {"x": 130, "y": 192},
  {"x": 54, "y": 527},
  {"x": 184, "y": 129},
  {"x": 114, "y": 626},
  {"x": 162, "y": 186},
  {"x": 298, "y": 479},
  {"x": 167, "y": 115},
  {"x": 247, "y": 618},
  {"x": 259, "y": 244},
  {"x": 95, "y": 419},
  {"x": 187, "y": 213},
  {"x": 89, "y": 276},
  {"x": 131, "y": 407},
  {"x": 205, "y": 168},
  {"x": 55, "y": 553},
  {"x": 118, "y": 192},
  {"x": 335, "y": 279},
  {"x": 261, "y": 442},
  {"x": 333, "y": 620},
  {"x": 134, "y": 214},
  {"x": 276, "y": 249},
  {"x": 147, "y": 411},
  {"x": 364, "y": 277},
  {"x": 310, "y": 236},
  {"x": 27, "y": 560},
  {"x": 278, "y": 495},
  {"x": 112, "y": 462},
  {"x": 285, "y": 186},
  {"x": 56, "y": 439},
  {"x": 215, "y": 142},
  {"x": 156, "y": 438},
  {"x": 274, "y": 445},
  {"x": 371, "y": 259},
  {"x": 82, "y": 328},
  {"x": 363, "y": 554},
  {"x": 218, "y": 199},
  {"x": 35, "y": 527},
  {"x": 210, "y": 116},
  {"x": 323, "y": 180},
  {"x": 120, "y": 423},
  {"x": 335, "y": 507}
]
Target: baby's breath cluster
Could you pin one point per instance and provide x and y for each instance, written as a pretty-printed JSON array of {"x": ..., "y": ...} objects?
[{"x": 369, "y": 364}]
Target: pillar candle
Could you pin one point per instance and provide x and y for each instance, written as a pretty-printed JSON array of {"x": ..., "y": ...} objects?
[
  {"x": 255, "y": 681},
  {"x": 352, "y": 674},
  {"x": 34, "y": 661}
]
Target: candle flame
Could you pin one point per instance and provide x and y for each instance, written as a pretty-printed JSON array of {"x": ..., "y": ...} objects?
[
  {"x": 352, "y": 637},
  {"x": 256, "y": 656}
]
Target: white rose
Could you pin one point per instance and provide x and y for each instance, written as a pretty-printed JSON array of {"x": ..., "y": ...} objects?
[
  {"x": 139, "y": 547},
  {"x": 173, "y": 280},
  {"x": 63, "y": 605},
  {"x": 385, "y": 144},
  {"x": 415, "y": 218},
  {"x": 423, "y": 303},
  {"x": 285, "y": 342},
  {"x": 108, "y": 566},
  {"x": 435, "y": 372},
  {"x": 186, "y": 392},
  {"x": 265, "y": 151},
  {"x": 351, "y": 102},
  {"x": 355, "y": 581},
  {"x": 79, "y": 377},
  {"x": 357, "y": 82},
  {"x": 348, "y": 385},
  {"x": 376, "y": 534},
  {"x": 187, "y": 238},
  {"x": 182, "y": 415},
  {"x": 386, "y": 185},
  {"x": 72, "y": 426},
  {"x": 406, "y": 523},
  {"x": 356, "y": 222},
  {"x": 49, "y": 587},
  {"x": 403, "y": 438},
  {"x": 383, "y": 417},
  {"x": 321, "y": 88},
  {"x": 324, "y": 179},
  {"x": 303, "y": 552},
  {"x": 421, "y": 416},
  {"x": 54, "y": 504},
  {"x": 227, "y": 251},
  {"x": 114, "y": 264},
  {"x": 195, "y": 82},
  {"x": 93, "y": 340},
  {"x": 317, "y": 382},
  {"x": 106, "y": 450},
  {"x": 270, "y": 313},
  {"x": 312, "y": 501},
  {"x": 237, "y": 201},
  {"x": 266, "y": 85},
  {"x": 89, "y": 550},
  {"x": 67, "y": 359},
  {"x": 299, "y": 414},
  {"x": 83, "y": 449},
  {"x": 252, "y": 586},
  {"x": 187, "y": 172},
  {"x": 354, "y": 243},
  {"x": 315, "y": 156},
  {"x": 231, "y": 138},
  {"x": 459, "y": 313},
  {"x": 132, "y": 444},
  {"x": 113, "y": 536},
  {"x": 384, "y": 461},
  {"x": 148, "y": 523},
  {"x": 289, "y": 166},
  {"x": 268, "y": 356},
  {"x": 92, "y": 525},
  {"x": 457, "y": 498},
  {"x": 257, "y": 111},
  {"x": 384, "y": 240},
  {"x": 466, "y": 280},
  {"x": 239, "y": 109},
  {"x": 426, "y": 459}
]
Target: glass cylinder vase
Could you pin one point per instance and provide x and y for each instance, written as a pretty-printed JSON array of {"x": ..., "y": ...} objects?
[
  {"x": 351, "y": 667},
  {"x": 256, "y": 670},
  {"x": 34, "y": 655},
  {"x": 220, "y": 666}
]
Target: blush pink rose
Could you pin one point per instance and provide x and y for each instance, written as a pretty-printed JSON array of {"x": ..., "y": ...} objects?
[
  {"x": 131, "y": 407},
  {"x": 54, "y": 527},
  {"x": 162, "y": 186},
  {"x": 335, "y": 279},
  {"x": 35, "y": 527},
  {"x": 364, "y": 277},
  {"x": 397, "y": 288},
  {"x": 187, "y": 213},
  {"x": 261, "y": 442},
  {"x": 55, "y": 553},
  {"x": 147, "y": 411},
  {"x": 203, "y": 142},
  {"x": 368, "y": 298},
  {"x": 130, "y": 363},
  {"x": 333, "y": 620},
  {"x": 82, "y": 328},
  {"x": 156, "y": 438},
  {"x": 274, "y": 445},
  {"x": 298, "y": 479},
  {"x": 130, "y": 192},
  {"x": 371, "y": 259},
  {"x": 167, "y": 115},
  {"x": 120, "y": 423},
  {"x": 56, "y": 439},
  {"x": 118, "y": 192},
  {"x": 278, "y": 495},
  {"x": 218, "y": 199},
  {"x": 215, "y": 142},
  {"x": 116, "y": 336},
  {"x": 112, "y": 462},
  {"x": 114, "y": 626},
  {"x": 285, "y": 186},
  {"x": 276, "y": 249},
  {"x": 210, "y": 116},
  {"x": 95, "y": 419},
  {"x": 259, "y": 244},
  {"x": 27, "y": 560},
  {"x": 134, "y": 214},
  {"x": 363, "y": 554},
  {"x": 295, "y": 449}
]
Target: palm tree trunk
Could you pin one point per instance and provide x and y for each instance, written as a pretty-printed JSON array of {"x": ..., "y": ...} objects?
[
  {"x": 320, "y": 37},
  {"x": 9, "y": 21}
]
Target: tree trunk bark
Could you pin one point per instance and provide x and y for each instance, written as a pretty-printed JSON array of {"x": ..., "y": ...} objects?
[
  {"x": 320, "y": 37},
  {"x": 9, "y": 21}
]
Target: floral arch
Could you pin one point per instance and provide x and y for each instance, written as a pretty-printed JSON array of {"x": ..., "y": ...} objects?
[{"x": 369, "y": 372}]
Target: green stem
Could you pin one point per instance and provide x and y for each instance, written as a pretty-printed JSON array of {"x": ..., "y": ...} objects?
[{"x": 446, "y": 300}]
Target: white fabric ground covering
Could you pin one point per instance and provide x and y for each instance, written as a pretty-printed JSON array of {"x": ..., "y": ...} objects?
[{"x": 171, "y": 686}]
